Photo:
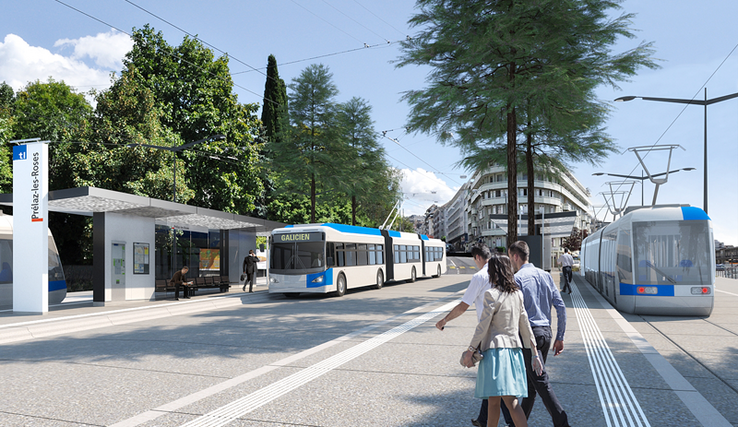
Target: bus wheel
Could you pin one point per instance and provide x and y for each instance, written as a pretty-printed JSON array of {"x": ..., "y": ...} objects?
[
  {"x": 340, "y": 286},
  {"x": 380, "y": 280},
  {"x": 413, "y": 276},
  {"x": 438, "y": 274}
]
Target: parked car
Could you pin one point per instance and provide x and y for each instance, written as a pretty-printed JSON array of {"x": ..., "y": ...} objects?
[{"x": 720, "y": 267}]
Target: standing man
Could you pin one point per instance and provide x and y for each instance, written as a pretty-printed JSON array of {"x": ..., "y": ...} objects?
[
  {"x": 539, "y": 294},
  {"x": 249, "y": 269},
  {"x": 179, "y": 280},
  {"x": 567, "y": 262},
  {"x": 478, "y": 285}
]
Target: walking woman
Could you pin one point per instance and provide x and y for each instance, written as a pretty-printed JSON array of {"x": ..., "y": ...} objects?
[{"x": 501, "y": 373}]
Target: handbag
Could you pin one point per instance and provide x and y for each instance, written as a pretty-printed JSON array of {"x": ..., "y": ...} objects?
[
  {"x": 476, "y": 357},
  {"x": 243, "y": 276}
]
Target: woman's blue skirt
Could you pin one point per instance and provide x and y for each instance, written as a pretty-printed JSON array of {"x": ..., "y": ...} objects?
[{"x": 502, "y": 373}]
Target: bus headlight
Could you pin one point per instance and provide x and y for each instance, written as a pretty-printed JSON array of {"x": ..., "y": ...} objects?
[
  {"x": 647, "y": 290},
  {"x": 318, "y": 279},
  {"x": 704, "y": 290}
]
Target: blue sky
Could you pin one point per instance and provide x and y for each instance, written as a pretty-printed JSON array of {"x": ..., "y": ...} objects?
[{"x": 694, "y": 45}]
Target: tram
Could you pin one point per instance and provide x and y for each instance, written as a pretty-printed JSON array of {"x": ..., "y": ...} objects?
[
  {"x": 57, "y": 283},
  {"x": 658, "y": 260},
  {"x": 331, "y": 258}
]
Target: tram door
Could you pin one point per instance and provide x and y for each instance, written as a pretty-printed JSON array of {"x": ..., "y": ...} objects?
[{"x": 118, "y": 272}]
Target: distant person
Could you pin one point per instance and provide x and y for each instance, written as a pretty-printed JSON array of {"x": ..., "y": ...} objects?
[
  {"x": 6, "y": 274},
  {"x": 249, "y": 269},
  {"x": 540, "y": 293},
  {"x": 474, "y": 294},
  {"x": 318, "y": 261},
  {"x": 566, "y": 262},
  {"x": 502, "y": 330},
  {"x": 179, "y": 279}
]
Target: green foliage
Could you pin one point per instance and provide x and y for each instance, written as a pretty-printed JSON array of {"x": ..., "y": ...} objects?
[
  {"x": 499, "y": 64},
  {"x": 193, "y": 95},
  {"x": 275, "y": 109}
]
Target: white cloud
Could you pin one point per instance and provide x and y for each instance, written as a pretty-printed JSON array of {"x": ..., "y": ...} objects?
[
  {"x": 21, "y": 63},
  {"x": 423, "y": 189},
  {"x": 105, "y": 49}
]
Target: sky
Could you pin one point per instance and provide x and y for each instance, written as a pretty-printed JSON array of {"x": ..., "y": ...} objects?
[{"x": 82, "y": 42}]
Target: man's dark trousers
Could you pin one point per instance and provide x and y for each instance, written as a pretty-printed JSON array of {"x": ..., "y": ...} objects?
[
  {"x": 536, "y": 385},
  {"x": 567, "y": 278}
]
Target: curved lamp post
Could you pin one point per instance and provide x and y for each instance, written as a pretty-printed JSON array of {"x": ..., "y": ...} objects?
[
  {"x": 642, "y": 178},
  {"x": 705, "y": 103}
]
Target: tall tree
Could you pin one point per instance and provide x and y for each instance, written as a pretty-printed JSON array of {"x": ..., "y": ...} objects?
[
  {"x": 364, "y": 177},
  {"x": 6, "y": 152},
  {"x": 311, "y": 151},
  {"x": 193, "y": 90},
  {"x": 274, "y": 110},
  {"x": 490, "y": 58}
]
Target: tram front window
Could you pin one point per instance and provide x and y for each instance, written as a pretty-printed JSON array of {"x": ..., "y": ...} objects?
[
  {"x": 298, "y": 256},
  {"x": 672, "y": 252}
]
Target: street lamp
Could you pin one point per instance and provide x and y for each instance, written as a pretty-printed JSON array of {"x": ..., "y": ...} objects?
[
  {"x": 177, "y": 149},
  {"x": 642, "y": 178},
  {"x": 705, "y": 103},
  {"x": 174, "y": 151}
]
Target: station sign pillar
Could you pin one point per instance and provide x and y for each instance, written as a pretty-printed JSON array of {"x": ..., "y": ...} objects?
[{"x": 30, "y": 228}]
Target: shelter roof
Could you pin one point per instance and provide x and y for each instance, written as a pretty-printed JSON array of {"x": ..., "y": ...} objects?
[{"x": 89, "y": 200}]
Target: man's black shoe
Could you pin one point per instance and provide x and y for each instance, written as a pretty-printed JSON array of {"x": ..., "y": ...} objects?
[{"x": 476, "y": 423}]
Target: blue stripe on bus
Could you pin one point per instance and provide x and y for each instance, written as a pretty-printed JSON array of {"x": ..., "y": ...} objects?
[
  {"x": 424, "y": 237},
  {"x": 693, "y": 213},
  {"x": 55, "y": 285},
  {"x": 394, "y": 233},
  {"x": 661, "y": 290},
  {"x": 355, "y": 229},
  {"x": 327, "y": 279}
]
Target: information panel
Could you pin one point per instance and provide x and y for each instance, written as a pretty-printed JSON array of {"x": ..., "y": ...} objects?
[
  {"x": 30, "y": 228},
  {"x": 141, "y": 258}
]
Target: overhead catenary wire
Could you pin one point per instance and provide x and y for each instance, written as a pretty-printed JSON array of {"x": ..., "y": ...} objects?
[{"x": 362, "y": 25}]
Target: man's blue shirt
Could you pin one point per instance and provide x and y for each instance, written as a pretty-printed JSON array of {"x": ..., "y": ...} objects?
[{"x": 539, "y": 294}]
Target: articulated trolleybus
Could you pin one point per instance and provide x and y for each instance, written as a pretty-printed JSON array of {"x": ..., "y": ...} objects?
[
  {"x": 330, "y": 258},
  {"x": 658, "y": 260}
]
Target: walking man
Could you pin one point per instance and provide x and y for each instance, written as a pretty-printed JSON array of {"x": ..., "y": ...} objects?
[
  {"x": 566, "y": 261},
  {"x": 249, "y": 269},
  {"x": 478, "y": 285},
  {"x": 539, "y": 294}
]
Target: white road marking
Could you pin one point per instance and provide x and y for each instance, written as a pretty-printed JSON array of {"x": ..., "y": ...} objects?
[
  {"x": 234, "y": 410},
  {"x": 217, "y": 388}
]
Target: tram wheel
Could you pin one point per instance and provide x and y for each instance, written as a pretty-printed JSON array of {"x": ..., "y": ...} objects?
[
  {"x": 438, "y": 274},
  {"x": 413, "y": 276}
]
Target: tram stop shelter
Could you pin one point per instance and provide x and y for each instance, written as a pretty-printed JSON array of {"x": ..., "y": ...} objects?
[{"x": 133, "y": 237}]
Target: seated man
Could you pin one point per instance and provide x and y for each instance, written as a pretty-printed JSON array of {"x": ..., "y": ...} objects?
[{"x": 179, "y": 280}]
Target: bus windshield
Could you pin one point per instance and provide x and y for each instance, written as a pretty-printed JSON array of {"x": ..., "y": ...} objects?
[
  {"x": 672, "y": 252},
  {"x": 300, "y": 256}
]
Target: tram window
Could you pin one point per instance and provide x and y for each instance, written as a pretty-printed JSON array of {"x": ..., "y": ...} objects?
[
  {"x": 340, "y": 258},
  {"x": 380, "y": 254},
  {"x": 397, "y": 254},
  {"x": 403, "y": 257},
  {"x": 372, "y": 257},
  {"x": 282, "y": 256}
]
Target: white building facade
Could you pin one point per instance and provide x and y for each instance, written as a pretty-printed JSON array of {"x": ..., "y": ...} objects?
[{"x": 561, "y": 204}]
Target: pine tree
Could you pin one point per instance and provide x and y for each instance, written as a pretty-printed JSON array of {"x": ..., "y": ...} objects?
[{"x": 497, "y": 62}]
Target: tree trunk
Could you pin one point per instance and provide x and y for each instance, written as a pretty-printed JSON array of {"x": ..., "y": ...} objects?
[
  {"x": 531, "y": 184},
  {"x": 312, "y": 198},
  {"x": 353, "y": 210},
  {"x": 512, "y": 177}
]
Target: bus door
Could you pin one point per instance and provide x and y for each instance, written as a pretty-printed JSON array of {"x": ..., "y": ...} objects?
[{"x": 389, "y": 256}]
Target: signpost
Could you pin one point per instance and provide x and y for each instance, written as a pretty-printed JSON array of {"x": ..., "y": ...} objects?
[{"x": 30, "y": 228}]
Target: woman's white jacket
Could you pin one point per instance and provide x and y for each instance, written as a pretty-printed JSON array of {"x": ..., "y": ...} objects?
[{"x": 504, "y": 320}]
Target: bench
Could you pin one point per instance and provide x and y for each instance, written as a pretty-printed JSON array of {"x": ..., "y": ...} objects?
[{"x": 212, "y": 282}]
